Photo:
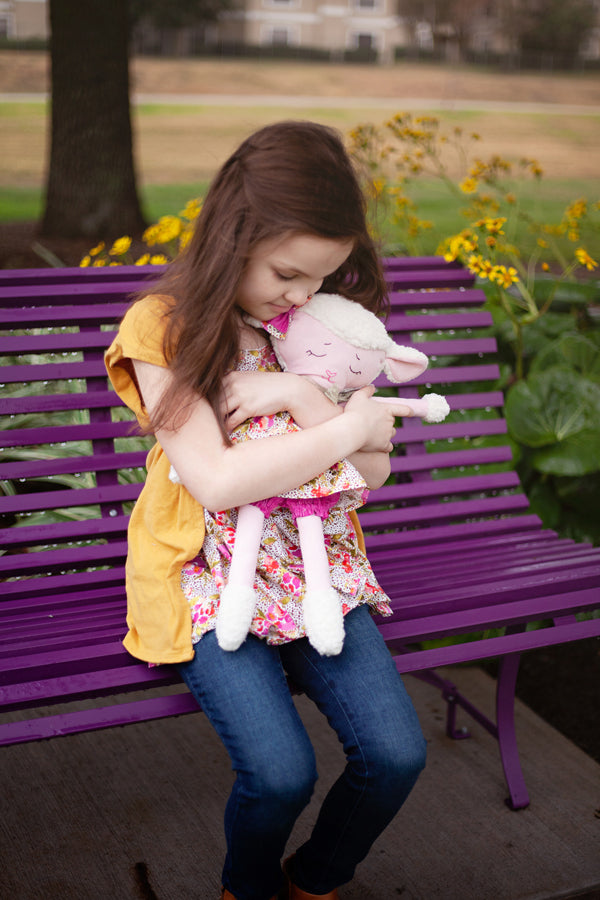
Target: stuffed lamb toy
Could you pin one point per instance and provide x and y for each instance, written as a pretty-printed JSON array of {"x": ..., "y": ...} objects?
[{"x": 342, "y": 347}]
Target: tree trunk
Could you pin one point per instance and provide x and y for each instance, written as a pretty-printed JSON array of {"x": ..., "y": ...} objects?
[{"x": 91, "y": 188}]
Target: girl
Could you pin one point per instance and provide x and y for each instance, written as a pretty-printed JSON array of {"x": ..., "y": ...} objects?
[{"x": 283, "y": 218}]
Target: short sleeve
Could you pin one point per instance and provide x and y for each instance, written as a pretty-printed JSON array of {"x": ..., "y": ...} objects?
[{"x": 140, "y": 336}]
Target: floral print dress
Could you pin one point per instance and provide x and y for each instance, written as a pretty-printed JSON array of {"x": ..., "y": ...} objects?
[{"x": 279, "y": 583}]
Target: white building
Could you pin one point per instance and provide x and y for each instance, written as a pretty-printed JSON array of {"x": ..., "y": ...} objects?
[{"x": 23, "y": 19}]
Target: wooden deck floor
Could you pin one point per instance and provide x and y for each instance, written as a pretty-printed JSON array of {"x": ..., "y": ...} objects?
[{"x": 136, "y": 813}]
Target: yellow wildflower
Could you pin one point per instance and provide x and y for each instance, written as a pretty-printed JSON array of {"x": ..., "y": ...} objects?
[
  {"x": 474, "y": 263},
  {"x": 192, "y": 210},
  {"x": 542, "y": 243},
  {"x": 120, "y": 246},
  {"x": 468, "y": 185},
  {"x": 584, "y": 259},
  {"x": 545, "y": 267},
  {"x": 98, "y": 263},
  {"x": 159, "y": 259},
  {"x": 152, "y": 235},
  {"x": 143, "y": 260},
  {"x": 377, "y": 186},
  {"x": 494, "y": 226},
  {"x": 169, "y": 228},
  {"x": 577, "y": 209},
  {"x": 504, "y": 276},
  {"x": 97, "y": 249},
  {"x": 85, "y": 261}
]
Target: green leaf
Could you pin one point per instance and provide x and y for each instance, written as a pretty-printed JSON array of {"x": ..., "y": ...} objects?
[
  {"x": 581, "y": 353},
  {"x": 577, "y": 454},
  {"x": 567, "y": 293},
  {"x": 545, "y": 503},
  {"x": 549, "y": 406}
]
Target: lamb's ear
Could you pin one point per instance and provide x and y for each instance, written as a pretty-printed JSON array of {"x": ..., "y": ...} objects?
[{"x": 404, "y": 363}]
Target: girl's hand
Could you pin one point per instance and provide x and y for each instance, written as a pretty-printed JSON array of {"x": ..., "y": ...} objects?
[
  {"x": 377, "y": 421},
  {"x": 249, "y": 394}
]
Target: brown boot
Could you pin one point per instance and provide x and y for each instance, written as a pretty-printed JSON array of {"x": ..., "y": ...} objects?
[
  {"x": 227, "y": 895},
  {"x": 296, "y": 893}
]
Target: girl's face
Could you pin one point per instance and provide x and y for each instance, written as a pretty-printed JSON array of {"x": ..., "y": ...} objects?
[{"x": 284, "y": 272}]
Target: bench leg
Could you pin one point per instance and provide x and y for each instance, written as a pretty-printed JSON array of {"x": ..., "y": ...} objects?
[
  {"x": 507, "y": 738},
  {"x": 503, "y": 729}
]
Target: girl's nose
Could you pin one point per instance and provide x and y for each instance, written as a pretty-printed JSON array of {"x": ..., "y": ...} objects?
[{"x": 298, "y": 295}]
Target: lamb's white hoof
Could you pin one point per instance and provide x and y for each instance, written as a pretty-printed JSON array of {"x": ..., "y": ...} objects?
[
  {"x": 437, "y": 408},
  {"x": 324, "y": 621},
  {"x": 234, "y": 616}
]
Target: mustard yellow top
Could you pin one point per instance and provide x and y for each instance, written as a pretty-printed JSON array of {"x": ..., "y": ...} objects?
[{"x": 166, "y": 528}]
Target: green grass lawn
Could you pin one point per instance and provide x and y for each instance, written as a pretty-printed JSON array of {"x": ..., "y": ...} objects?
[{"x": 545, "y": 201}]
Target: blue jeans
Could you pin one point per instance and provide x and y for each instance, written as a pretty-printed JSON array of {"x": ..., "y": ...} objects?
[{"x": 246, "y": 697}]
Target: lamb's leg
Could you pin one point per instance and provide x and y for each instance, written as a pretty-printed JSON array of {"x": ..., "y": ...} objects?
[
  {"x": 323, "y": 618},
  {"x": 238, "y": 601}
]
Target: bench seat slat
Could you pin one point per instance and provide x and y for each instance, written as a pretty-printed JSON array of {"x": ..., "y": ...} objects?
[
  {"x": 496, "y": 615},
  {"x": 19, "y": 629},
  {"x": 66, "y": 587},
  {"x": 98, "y": 718},
  {"x": 425, "y": 601},
  {"x": 101, "y": 679},
  {"x": 475, "y": 651},
  {"x": 484, "y": 576},
  {"x": 50, "y": 603},
  {"x": 69, "y": 640}
]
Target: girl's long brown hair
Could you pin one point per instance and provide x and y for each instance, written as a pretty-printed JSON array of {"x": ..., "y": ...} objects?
[{"x": 287, "y": 178}]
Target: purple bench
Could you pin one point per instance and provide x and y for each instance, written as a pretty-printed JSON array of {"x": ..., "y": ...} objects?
[{"x": 451, "y": 538}]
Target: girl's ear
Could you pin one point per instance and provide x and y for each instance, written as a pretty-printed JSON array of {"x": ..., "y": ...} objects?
[{"x": 404, "y": 363}]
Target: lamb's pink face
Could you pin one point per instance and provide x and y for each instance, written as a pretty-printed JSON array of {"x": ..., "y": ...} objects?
[{"x": 311, "y": 349}]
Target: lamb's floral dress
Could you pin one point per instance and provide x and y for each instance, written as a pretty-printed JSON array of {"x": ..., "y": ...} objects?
[{"x": 279, "y": 583}]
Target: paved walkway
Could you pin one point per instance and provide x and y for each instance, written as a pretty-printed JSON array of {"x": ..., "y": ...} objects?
[
  {"x": 327, "y": 102},
  {"x": 136, "y": 812}
]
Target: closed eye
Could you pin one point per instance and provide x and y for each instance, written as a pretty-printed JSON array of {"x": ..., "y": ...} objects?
[
  {"x": 318, "y": 355},
  {"x": 356, "y": 371}
]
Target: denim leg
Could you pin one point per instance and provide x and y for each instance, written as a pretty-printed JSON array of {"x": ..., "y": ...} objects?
[
  {"x": 364, "y": 699},
  {"x": 246, "y": 697}
]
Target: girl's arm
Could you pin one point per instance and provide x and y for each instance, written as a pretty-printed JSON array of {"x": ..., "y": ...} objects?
[
  {"x": 258, "y": 393},
  {"x": 220, "y": 477}
]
